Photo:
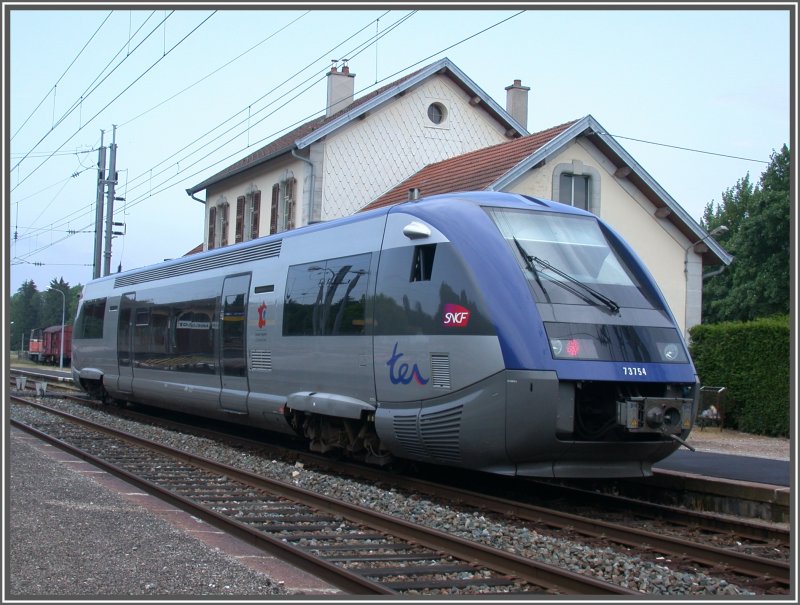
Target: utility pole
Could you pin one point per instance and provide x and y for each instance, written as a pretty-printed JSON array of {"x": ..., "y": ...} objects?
[
  {"x": 112, "y": 181},
  {"x": 98, "y": 220}
]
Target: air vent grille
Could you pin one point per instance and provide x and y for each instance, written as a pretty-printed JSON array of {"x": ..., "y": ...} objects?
[
  {"x": 260, "y": 361},
  {"x": 440, "y": 371},
  {"x": 440, "y": 433},
  {"x": 194, "y": 265},
  {"x": 405, "y": 429}
]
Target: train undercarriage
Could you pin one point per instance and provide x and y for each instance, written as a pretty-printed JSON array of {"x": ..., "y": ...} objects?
[{"x": 354, "y": 438}]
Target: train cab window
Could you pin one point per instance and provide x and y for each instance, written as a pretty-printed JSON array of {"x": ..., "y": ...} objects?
[
  {"x": 422, "y": 263},
  {"x": 89, "y": 323},
  {"x": 441, "y": 284},
  {"x": 327, "y": 298}
]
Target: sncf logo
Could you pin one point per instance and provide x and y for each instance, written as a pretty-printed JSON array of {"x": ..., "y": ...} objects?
[{"x": 455, "y": 316}]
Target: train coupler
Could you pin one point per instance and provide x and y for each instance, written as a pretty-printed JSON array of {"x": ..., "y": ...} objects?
[{"x": 667, "y": 415}]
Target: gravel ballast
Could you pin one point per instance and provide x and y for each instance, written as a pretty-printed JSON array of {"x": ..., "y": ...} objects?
[
  {"x": 68, "y": 536},
  {"x": 608, "y": 564}
]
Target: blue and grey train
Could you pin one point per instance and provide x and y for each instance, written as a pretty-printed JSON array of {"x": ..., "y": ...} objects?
[{"x": 482, "y": 330}]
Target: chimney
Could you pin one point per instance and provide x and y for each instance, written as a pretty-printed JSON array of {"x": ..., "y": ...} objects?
[
  {"x": 341, "y": 86},
  {"x": 517, "y": 102}
]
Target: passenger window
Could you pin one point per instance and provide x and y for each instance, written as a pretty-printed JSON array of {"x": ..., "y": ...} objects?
[
  {"x": 422, "y": 263},
  {"x": 327, "y": 297},
  {"x": 90, "y": 320}
]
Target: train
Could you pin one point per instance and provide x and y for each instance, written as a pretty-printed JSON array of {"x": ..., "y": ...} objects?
[
  {"x": 489, "y": 331},
  {"x": 35, "y": 345},
  {"x": 44, "y": 345}
]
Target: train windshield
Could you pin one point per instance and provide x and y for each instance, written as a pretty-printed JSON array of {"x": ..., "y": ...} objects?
[{"x": 569, "y": 260}]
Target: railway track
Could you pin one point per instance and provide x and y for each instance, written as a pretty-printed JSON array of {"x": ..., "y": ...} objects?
[
  {"x": 771, "y": 576},
  {"x": 42, "y": 383},
  {"x": 354, "y": 548}
]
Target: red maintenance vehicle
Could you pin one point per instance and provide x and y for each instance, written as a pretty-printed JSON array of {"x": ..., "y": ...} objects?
[
  {"x": 49, "y": 345},
  {"x": 35, "y": 345}
]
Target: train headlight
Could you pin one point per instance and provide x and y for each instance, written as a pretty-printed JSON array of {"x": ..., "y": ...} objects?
[
  {"x": 671, "y": 352},
  {"x": 573, "y": 348}
]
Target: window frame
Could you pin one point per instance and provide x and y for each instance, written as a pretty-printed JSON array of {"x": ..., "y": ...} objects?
[{"x": 578, "y": 168}]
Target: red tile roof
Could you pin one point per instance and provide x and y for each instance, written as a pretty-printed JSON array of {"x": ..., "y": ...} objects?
[
  {"x": 473, "y": 171},
  {"x": 198, "y": 248}
]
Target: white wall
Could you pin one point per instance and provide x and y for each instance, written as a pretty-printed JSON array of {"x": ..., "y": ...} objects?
[
  {"x": 261, "y": 178},
  {"x": 368, "y": 157}
]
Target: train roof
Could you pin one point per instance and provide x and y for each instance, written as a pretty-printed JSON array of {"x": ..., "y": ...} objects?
[{"x": 270, "y": 245}]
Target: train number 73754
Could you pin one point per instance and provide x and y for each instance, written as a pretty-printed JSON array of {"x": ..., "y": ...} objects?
[{"x": 634, "y": 371}]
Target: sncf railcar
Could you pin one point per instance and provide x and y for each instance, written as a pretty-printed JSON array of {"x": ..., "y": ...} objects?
[{"x": 489, "y": 331}]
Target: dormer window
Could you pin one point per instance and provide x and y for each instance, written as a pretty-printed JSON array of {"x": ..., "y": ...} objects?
[
  {"x": 574, "y": 190},
  {"x": 577, "y": 184}
]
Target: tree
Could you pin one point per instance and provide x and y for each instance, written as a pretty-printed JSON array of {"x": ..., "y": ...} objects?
[
  {"x": 25, "y": 308},
  {"x": 757, "y": 283},
  {"x": 53, "y": 304}
]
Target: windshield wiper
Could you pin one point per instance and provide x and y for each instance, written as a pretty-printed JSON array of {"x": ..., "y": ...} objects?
[
  {"x": 613, "y": 306},
  {"x": 531, "y": 267}
]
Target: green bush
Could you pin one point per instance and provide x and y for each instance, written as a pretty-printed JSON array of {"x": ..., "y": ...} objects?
[{"x": 750, "y": 359}]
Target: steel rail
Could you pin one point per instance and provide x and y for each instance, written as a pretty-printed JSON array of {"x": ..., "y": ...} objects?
[
  {"x": 712, "y": 556},
  {"x": 540, "y": 574}
]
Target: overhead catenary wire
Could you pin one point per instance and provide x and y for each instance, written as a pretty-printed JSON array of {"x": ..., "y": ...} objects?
[
  {"x": 149, "y": 172},
  {"x": 169, "y": 166},
  {"x": 89, "y": 90},
  {"x": 183, "y": 169},
  {"x": 353, "y": 53},
  {"x": 61, "y": 77},
  {"x": 88, "y": 211},
  {"x": 467, "y": 38},
  {"x": 724, "y": 155},
  {"x": 221, "y": 67},
  {"x": 139, "y": 77}
]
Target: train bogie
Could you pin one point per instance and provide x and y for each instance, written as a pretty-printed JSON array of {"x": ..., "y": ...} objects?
[{"x": 486, "y": 331}]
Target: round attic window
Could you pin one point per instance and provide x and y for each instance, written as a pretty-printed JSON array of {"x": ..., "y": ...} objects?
[{"x": 436, "y": 113}]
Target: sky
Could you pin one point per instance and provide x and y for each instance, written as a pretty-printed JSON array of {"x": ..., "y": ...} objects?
[{"x": 699, "y": 98}]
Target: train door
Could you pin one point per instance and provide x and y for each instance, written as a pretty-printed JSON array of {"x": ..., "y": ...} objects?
[
  {"x": 125, "y": 343},
  {"x": 233, "y": 353}
]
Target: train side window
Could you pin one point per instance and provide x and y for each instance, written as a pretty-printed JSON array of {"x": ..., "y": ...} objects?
[
  {"x": 89, "y": 323},
  {"x": 327, "y": 297},
  {"x": 346, "y": 296},
  {"x": 422, "y": 263}
]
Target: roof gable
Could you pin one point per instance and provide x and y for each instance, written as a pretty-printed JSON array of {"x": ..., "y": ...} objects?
[
  {"x": 498, "y": 167},
  {"x": 473, "y": 171},
  {"x": 317, "y": 128}
]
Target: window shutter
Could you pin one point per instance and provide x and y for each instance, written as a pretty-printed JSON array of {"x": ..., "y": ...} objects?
[
  {"x": 239, "y": 219},
  {"x": 254, "y": 217},
  {"x": 290, "y": 187},
  {"x": 273, "y": 216},
  {"x": 212, "y": 227},
  {"x": 224, "y": 210}
]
